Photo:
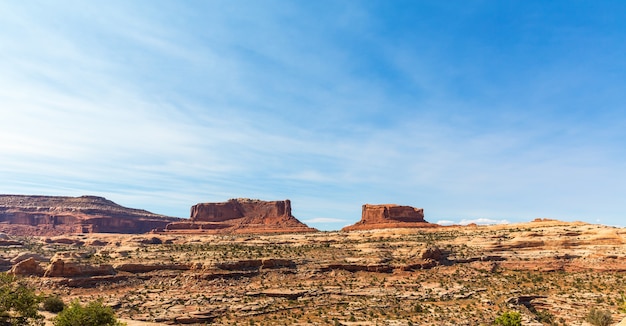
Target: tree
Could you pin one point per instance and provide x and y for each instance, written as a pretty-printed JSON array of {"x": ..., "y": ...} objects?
[
  {"x": 92, "y": 314},
  {"x": 53, "y": 304},
  {"x": 18, "y": 302},
  {"x": 509, "y": 318}
]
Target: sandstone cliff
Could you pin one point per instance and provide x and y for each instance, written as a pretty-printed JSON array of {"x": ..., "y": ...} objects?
[
  {"x": 241, "y": 216},
  {"x": 53, "y": 215},
  {"x": 389, "y": 216}
]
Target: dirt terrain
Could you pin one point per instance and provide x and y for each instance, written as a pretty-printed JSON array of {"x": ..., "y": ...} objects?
[{"x": 551, "y": 272}]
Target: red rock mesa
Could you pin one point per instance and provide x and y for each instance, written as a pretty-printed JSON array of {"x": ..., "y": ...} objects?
[
  {"x": 55, "y": 215},
  {"x": 389, "y": 216},
  {"x": 241, "y": 215}
]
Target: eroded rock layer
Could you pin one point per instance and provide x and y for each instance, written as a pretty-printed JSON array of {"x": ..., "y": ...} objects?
[
  {"x": 456, "y": 275},
  {"x": 241, "y": 215},
  {"x": 55, "y": 215},
  {"x": 389, "y": 216}
]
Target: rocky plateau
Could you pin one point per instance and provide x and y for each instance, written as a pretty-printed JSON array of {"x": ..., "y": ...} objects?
[
  {"x": 551, "y": 272},
  {"x": 388, "y": 216},
  {"x": 55, "y": 215}
]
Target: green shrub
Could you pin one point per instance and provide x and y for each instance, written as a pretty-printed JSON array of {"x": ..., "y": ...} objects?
[
  {"x": 91, "y": 314},
  {"x": 509, "y": 318},
  {"x": 599, "y": 317},
  {"x": 622, "y": 307},
  {"x": 545, "y": 317},
  {"x": 18, "y": 302},
  {"x": 53, "y": 304}
]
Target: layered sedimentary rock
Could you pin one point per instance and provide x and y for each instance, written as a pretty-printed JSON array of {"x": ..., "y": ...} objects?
[
  {"x": 53, "y": 215},
  {"x": 389, "y": 216},
  {"x": 241, "y": 215}
]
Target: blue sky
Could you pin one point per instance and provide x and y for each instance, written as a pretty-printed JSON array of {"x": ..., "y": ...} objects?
[{"x": 474, "y": 110}]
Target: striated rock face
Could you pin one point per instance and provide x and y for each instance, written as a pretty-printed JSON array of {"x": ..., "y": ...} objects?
[
  {"x": 51, "y": 215},
  {"x": 67, "y": 268},
  {"x": 389, "y": 216},
  {"x": 241, "y": 216},
  {"x": 255, "y": 210},
  {"x": 29, "y": 266}
]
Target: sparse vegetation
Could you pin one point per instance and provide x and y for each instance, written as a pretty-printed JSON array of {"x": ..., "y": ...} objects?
[
  {"x": 509, "y": 318},
  {"x": 328, "y": 278},
  {"x": 53, "y": 304},
  {"x": 18, "y": 302},
  {"x": 599, "y": 317},
  {"x": 92, "y": 314}
]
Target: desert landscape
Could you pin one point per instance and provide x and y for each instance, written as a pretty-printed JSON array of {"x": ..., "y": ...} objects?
[{"x": 225, "y": 273}]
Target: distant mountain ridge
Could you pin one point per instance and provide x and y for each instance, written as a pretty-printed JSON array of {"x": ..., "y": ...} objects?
[{"x": 54, "y": 215}]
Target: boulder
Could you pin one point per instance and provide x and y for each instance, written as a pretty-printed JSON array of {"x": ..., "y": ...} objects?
[
  {"x": 96, "y": 243},
  {"x": 8, "y": 243},
  {"x": 433, "y": 253},
  {"x": 389, "y": 216},
  {"x": 150, "y": 241},
  {"x": 62, "y": 268},
  {"x": 66, "y": 241},
  {"x": 27, "y": 255},
  {"x": 29, "y": 266}
]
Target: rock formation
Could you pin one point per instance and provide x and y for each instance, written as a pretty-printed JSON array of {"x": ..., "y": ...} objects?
[
  {"x": 51, "y": 215},
  {"x": 69, "y": 268},
  {"x": 241, "y": 216},
  {"x": 28, "y": 266},
  {"x": 389, "y": 216}
]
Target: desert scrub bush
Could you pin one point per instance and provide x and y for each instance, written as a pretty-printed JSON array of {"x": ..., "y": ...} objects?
[
  {"x": 18, "y": 302},
  {"x": 599, "y": 317},
  {"x": 545, "y": 317},
  {"x": 53, "y": 304},
  {"x": 509, "y": 318},
  {"x": 92, "y": 314},
  {"x": 622, "y": 307}
]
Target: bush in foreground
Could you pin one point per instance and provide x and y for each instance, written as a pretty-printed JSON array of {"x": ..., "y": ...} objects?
[
  {"x": 18, "y": 302},
  {"x": 599, "y": 317},
  {"x": 53, "y": 304},
  {"x": 509, "y": 318},
  {"x": 91, "y": 314}
]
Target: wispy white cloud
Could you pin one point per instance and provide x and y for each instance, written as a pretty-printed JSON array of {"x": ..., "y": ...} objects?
[
  {"x": 319, "y": 220},
  {"x": 164, "y": 105}
]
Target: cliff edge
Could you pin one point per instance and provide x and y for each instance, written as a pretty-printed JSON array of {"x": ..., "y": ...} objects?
[{"x": 56, "y": 215}]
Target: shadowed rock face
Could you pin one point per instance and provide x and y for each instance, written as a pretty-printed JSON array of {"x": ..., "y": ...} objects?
[
  {"x": 54, "y": 215},
  {"x": 242, "y": 216},
  {"x": 389, "y": 216}
]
